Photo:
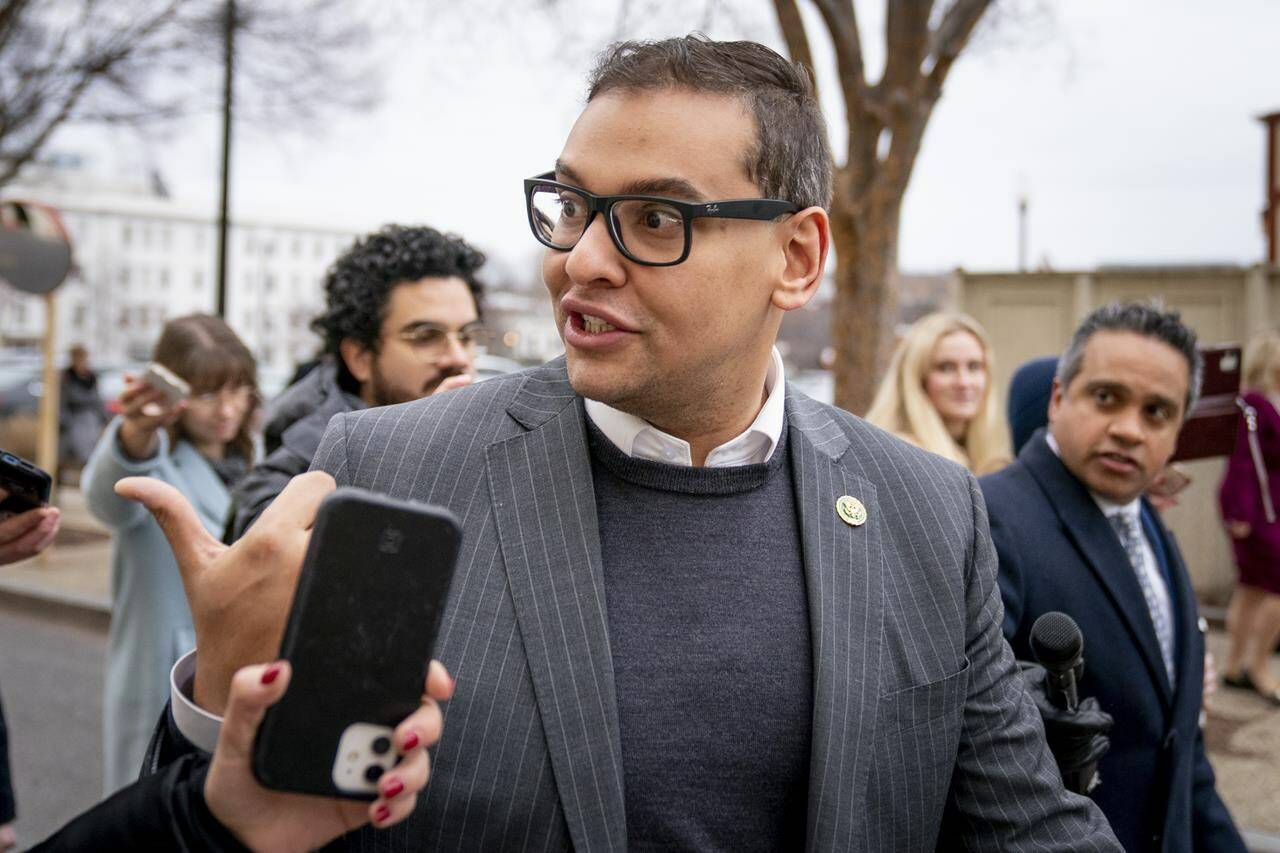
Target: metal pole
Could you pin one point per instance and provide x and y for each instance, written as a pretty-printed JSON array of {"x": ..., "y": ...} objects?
[
  {"x": 1022, "y": 233},
  {"x": 224, "y": 224},
  {"x": 47, "y": 437}
]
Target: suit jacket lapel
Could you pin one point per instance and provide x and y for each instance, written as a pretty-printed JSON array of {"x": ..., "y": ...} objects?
[
  {"x": 843, "y": 574},
  {"x": 544, "y": 506},
  {"x": 1096, "y": 540}
]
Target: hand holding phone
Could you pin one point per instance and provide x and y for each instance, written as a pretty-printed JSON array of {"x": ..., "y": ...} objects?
[
  {"x": 28, "y": 524},
  {"x": 263, "y": 819},
  {"x": 369, "y": 600},
  {"x": 147, "y": 404}
]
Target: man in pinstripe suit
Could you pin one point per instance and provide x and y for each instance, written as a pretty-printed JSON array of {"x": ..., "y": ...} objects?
[{"x": 694, "y": 609}]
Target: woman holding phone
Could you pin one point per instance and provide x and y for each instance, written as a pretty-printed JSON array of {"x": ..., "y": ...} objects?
[
  {"x": 201, "y": 445},
  {"x": 938, "y": 393}
]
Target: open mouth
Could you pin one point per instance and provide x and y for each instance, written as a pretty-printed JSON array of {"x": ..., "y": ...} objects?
[
  {"x": 1118, "y": 463},
  {"x": 594, "y": 325}
]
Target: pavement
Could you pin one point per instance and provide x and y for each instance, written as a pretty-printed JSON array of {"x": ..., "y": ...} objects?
[{"x": 1242, "y": 731}]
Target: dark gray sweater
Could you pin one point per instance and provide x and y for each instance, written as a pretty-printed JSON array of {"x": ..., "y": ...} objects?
[{"x": 709, "y": 630}]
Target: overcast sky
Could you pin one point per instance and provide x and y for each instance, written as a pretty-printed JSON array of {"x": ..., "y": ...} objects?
[{"x": 1131, "y": 125}]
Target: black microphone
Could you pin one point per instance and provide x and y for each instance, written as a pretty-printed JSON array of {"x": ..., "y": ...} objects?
[{"x": 1058, "y": 645}]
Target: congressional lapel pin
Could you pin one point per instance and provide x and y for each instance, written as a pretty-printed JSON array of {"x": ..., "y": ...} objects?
[{"x": 851, "y": 511}]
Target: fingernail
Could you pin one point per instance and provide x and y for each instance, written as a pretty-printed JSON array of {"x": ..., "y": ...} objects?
[
  {"x": 381, "y": 813},
  {"x": 271, "y": 673},
  {"x": 392, "y": 788},
  {"x": 410, "y": 741}
]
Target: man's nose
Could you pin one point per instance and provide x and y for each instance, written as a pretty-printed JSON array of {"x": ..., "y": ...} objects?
[
  {"x": 1126, "y": 426},
  {"x": 455, "y": 353},
  {"x": 595, "y": 259}
]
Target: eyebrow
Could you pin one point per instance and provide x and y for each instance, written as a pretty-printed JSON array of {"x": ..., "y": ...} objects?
[
  {"x": 413, "y": 325},
  {"x": 1123, "y": 390},
  {"x": 673, "y": 187}
]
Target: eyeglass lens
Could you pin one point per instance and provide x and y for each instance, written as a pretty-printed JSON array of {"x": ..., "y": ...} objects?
[
  {"x": 648, "y": 230},
  {"x": 433, "y": 338}
]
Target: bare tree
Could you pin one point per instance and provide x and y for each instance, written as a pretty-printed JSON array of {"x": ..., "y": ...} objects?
[
  {"x": 885, "y": 125},
  {"x": 140, "y": 62}
]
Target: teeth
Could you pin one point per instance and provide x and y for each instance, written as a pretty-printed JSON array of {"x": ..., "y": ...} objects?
[{"x": 595, "y": 325}]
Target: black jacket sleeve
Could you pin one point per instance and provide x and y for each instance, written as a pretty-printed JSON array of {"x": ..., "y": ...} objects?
[
  {"x": 164, "y": 811},
  {"x": 264, "y": 482}
]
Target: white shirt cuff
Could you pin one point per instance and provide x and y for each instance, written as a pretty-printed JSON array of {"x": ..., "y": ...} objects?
[{"x": 196, "y": 724}]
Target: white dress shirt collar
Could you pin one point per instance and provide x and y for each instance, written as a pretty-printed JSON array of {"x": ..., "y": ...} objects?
[{"x": 639, "y": 439}]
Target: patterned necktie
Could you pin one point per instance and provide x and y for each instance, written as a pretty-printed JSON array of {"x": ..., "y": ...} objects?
[{"x": 1129, "y": 530}]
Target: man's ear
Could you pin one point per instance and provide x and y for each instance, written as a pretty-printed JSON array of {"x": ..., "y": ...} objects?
[
  {"x": 358, "y": 359},
  {"x": 1055, "y": 399},
  {"x": 806, "y": 240}
]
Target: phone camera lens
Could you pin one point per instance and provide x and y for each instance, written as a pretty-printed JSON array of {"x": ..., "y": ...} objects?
[
  {"x": 381, "y": 745},
  {"x": 373, "y": 772}
]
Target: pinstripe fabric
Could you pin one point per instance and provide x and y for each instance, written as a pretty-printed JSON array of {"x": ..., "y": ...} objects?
[{"x": 922, "y": 735}]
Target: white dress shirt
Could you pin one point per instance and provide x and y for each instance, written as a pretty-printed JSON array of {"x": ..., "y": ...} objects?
[
  {"x": 640, "y": 439},
  {"x": 632, "y": 435}
]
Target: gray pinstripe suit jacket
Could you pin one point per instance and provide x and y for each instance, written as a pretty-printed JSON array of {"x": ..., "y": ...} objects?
[{"x": 922, "y": 734}]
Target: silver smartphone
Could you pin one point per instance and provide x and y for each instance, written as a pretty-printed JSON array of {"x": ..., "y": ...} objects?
[{"x": 163, "y": 379}]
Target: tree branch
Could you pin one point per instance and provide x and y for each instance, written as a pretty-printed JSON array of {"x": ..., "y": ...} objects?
[
  {"x": 842, "y": 23},
  {"x": 949, "y": 40},
  {"x": 906, "y": 37},
  {"x": 793, "y": 33}
]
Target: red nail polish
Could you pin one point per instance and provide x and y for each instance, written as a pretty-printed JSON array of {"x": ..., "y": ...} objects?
[
  {"x": 410, "y": 741},
  {"x": 394, "y": 787},
  {"x": 271, "y": 673},
  {"x": 381, "y": 813}
]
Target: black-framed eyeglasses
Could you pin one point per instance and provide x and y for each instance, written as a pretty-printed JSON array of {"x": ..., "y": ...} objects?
[{"x": 650, "y": 230}]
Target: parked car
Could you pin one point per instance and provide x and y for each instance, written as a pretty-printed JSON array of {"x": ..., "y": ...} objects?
[{"x": 21, "y": 386}]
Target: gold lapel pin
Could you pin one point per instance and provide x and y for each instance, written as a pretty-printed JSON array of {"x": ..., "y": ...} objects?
[{"x": 851, "y": 511}]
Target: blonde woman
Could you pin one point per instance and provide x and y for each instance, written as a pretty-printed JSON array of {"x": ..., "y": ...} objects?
[{"x": 938, "y": 393}]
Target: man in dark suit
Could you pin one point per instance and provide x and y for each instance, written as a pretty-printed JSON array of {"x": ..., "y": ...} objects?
[
  {"x": 693, "y": 608},
  {"x": 1074, "y": 534}
]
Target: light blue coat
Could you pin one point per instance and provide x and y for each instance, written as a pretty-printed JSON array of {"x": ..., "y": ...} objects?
[{"x": 150, "y": 621}]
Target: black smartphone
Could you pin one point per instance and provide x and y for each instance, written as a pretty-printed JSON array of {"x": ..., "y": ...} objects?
[
  {"x": 26, "y": 485},
  {"x": 359, "y": 637}
]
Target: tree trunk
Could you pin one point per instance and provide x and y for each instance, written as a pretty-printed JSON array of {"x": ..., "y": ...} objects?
[{"x": 866, "y": 300}]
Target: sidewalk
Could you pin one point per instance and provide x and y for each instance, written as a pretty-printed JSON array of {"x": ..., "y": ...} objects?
[
  {"x": 1242, "y": 733},
  {"x": 75, "y": 570}
]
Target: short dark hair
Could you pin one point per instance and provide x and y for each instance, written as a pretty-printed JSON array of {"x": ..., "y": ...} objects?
[
  {"x": 1147, "y": 320},
  {"x": 359, "y": 283},
  {"x": 791, "y": 158},
  {"x": 203, "y": 350}
]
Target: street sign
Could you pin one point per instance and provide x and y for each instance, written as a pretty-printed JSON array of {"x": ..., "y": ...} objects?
[{"x": 35, "y": 252}]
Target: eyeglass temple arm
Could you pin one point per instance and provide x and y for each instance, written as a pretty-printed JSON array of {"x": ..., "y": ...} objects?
[{"x": 751, "y": 208}]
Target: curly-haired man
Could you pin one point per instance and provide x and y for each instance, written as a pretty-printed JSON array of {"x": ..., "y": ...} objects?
[{"x": 401, "y": 321}]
